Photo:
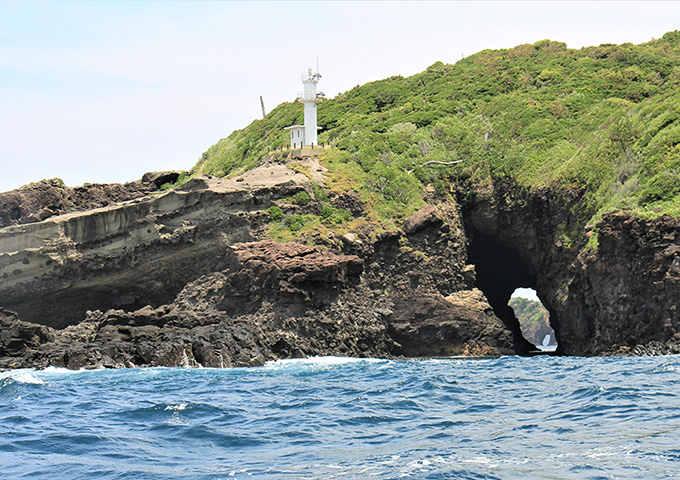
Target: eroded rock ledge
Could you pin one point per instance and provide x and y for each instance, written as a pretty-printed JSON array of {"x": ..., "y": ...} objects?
[
  {"x": 185, "y": 277},
  {"x": 48, "y": 198},
  {"x": 135, "y": 253},
  {"x": 271, "y": 301}
]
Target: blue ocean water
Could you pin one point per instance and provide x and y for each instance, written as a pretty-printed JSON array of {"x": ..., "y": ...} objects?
[{"x": 331, "y": 418}]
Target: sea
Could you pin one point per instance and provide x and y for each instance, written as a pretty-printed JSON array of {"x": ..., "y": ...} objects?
[{"x": 346, "y": 418}]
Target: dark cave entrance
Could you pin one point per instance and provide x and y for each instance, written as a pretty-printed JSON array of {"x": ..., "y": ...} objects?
[{"x": 500, "y": 271}]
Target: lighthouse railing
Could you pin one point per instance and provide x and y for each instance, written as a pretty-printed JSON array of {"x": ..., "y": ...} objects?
[{"x": 310, "y": 96}]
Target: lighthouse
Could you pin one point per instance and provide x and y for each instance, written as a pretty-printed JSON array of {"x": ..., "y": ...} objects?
[{"x": 306, "y": 135}]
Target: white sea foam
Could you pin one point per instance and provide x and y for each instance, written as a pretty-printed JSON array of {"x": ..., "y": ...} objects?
[
  {"x": 22, "y": 376},
  {"x": 61, "y": 371},
  {"x": 322, "y": 361}
]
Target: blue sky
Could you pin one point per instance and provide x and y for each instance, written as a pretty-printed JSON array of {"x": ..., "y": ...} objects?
[{"x": 105, "y": 91}]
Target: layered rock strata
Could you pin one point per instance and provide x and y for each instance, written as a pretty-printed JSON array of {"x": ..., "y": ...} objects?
[
  {"x": 272, "y": 301},
  {"x": 48, "y": 198},
  {"x": 167, "y": 280},
  {"x": 136, "y": 253}
]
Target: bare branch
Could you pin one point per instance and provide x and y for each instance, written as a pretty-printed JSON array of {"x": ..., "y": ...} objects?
[{"x": 437, "y": 162}]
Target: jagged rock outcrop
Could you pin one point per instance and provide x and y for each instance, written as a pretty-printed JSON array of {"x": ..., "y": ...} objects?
[
  {"x": 132, "y": 254},
  {"x": 167, "y": 280},
  {"x": 456, "y": 325},
  {"x": 273, "y": 300},
  {"x": 628, "y": 289},
  {"x": 48, "y": 198},
  {"x": 17, "y": 336},
  {"x": 618, "y": 298}
]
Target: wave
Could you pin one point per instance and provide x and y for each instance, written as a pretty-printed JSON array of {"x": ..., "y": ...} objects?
[
  {"x": 22, "y": 376},
  {"x": 327, "y": 360},
  {"x": 347, "y": 418}
]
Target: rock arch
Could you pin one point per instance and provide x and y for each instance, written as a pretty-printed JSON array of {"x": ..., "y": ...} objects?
[
  {"x": 618, "y": 296},
  {"x": 500, "y": 270}
]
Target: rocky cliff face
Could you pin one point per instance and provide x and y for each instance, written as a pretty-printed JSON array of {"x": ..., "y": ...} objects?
[
  {"x": 187, "y": 277},
  {"x": 48, "y": 198},
  {"x": 628, "y": 290},
  {"x": 131, "y": 254},
  {"x": 619, "y": 298},
  {"x": 167, "y": 280},
  {"x": 271, "y": 301}
]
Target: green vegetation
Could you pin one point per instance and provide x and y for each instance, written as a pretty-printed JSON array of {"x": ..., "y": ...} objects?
[
  {"x": 183, "y": 178},
  {"x": 604, "y": 119},
  {"x": 287, "y": 226},
  {"x": 275, "y": 213}
]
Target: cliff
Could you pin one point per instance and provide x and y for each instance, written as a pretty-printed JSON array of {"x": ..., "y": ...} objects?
[
  {"x": 618, "y": 296},
  {"x": 167, "y": 280},
  {"x": 544, "y": 148},
  {"x": 128, "y": 254}
]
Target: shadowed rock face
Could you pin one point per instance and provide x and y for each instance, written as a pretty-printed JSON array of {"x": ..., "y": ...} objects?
[
  {"x": 627, "y": 292},
  {"x": 131, "y": 254},
  {"x": 273, "y": 300},
  {"x": 500, "y": 270},
  {"x": 620, "y": 298},
  {"x": 461, "y": 324},
  {"x": 48, "y": 198},
  {"x": 186, "y": 277}
]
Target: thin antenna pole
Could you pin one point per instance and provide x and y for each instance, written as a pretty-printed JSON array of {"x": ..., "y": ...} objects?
[{"x": 262, "y": 103}]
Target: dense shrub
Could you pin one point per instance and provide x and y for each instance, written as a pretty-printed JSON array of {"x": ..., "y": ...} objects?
[{"x": 540, "y": 115}]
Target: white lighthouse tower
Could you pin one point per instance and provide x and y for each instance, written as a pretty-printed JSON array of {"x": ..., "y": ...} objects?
[{"x": 306, "y": 135}]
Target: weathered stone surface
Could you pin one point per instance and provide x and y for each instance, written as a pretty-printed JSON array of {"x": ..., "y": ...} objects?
[
  {"x": 427, "y": 215},
  {"x": 347, "y": 201},
  {"x": 160, "y": 178},
  {"x": 268, "y": 303},
  {"x": 132, "y": 254},
  {"x": 628, "y": 289},
  {"x": 616, "y": 299},
  {"x": 430, "y": 326},
  {"x": 47, "y": 198},
  {"x": 263, "y": 300},
  {"x": 17, "y": 336}
]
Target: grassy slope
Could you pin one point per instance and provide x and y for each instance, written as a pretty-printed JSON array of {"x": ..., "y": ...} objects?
[{"x": 603, "y": 118}]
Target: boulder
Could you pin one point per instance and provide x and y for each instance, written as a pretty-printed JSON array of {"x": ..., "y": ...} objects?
[{"x": 427, "y": 216}]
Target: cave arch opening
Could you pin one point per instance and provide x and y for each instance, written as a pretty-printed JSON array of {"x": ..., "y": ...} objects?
[
  {"x": 534, "y": 319},
  {"x": 500, "y": 271}
]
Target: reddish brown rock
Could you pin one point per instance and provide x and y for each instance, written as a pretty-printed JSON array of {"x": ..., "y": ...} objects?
[
  {"x": 268, "y": 262},
  {"x": 166, "y": 281}
]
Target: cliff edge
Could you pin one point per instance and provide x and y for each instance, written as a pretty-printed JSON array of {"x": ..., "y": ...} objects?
[{"x": 188, "y": 277}]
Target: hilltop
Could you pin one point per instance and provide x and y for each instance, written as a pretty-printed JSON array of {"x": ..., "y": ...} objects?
[
  {"x": 566, "y": 176},
  {"x": 603, "y": 119}
]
